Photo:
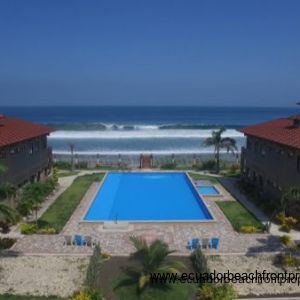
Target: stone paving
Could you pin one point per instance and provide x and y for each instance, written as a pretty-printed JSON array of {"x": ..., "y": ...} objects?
[{"x": 116, "y": 241}]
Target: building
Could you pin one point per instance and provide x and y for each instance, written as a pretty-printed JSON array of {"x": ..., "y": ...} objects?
[
  {"x": 23, "y": 151},
  {"x": 271, "y": 158}
]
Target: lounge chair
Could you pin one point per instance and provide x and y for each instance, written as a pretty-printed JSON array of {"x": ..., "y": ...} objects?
[
  {"x": 193, "y": 244},
  {"x": 214, "y": 243},
  {"x": 88, "y": 241},
  {"x": 68, "y": 240},
  {"x": 78, "y": 240},
  {"x": 205, "y": 243}
]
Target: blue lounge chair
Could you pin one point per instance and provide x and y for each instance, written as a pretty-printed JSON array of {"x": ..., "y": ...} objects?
[
  {"x": 78, "y": 240},
  {"x": 214, "y": 243},
  {"x": 193, "y": 244}
]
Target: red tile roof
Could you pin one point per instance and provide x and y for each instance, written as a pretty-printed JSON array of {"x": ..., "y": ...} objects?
[
  {"x": 279, "y": 131},
  {"x": 14, "y": 130}
]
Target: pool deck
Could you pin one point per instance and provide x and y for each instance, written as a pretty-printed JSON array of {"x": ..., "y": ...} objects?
[{"x": 116, "y": 240}]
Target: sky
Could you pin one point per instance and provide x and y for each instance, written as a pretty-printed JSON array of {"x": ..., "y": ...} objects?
[{"x": 63, "y": 52}]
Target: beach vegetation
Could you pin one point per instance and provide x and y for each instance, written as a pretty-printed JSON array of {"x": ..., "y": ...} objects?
[
  {"x": 219, "y": 143},
  {"x": 62, "y": 165},
  {"x": 288, "y": 260},
  {"x": 168, "y": 165},
  {"x": 148, "y": 259},
  {"x": 216, "y": 292},
  {"x": 34, "y": 195},
  {"x": 286, "y": 223},
  {"x": 60, "y": 211},
  {"x": 88, "y": 294},
  {"x": 287, "y": 240},
  {"x": 8, "y": 192},
  {"x": 28, "y": 228},
  {"x": 94, "y": 268},
  {"x": 248, "y": 229},
  {"x": 6, "y": 243},
  {"x": 199, "y": 262},
  {"x": 238, "y": 215}
]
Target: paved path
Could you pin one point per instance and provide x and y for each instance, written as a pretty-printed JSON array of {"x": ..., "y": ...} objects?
[
  {"x": 176, "y": 235},
  {"x": 117, "y": 242}
]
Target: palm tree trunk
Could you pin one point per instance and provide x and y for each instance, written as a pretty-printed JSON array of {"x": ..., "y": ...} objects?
[{"x": 218, "y": 160}]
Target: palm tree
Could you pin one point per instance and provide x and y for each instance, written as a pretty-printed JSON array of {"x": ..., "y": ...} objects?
[
  {"x": 10, "y": 192},
  {"x": 7, "y": 213},
  {"x": 149, "y": 259},
  {"x": 72, "y": 147},
  {"x": 219, "y": 143}
]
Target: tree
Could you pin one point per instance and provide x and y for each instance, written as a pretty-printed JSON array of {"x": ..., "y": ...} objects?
[
  {"x": 10, "y": 192},
  {"x": 7, "y": 217},
  {"x": 72, "y": 147},
  {"x": 149, "y": 259},
  {"x": 219, "y": 143}
]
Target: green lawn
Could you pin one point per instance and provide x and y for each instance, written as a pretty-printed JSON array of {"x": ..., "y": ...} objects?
[
  {"x": 61, "y": 210},
  {"x": 238, "y": 215},
  {"x": 197, "y": 176},
  {"x": 176, "y": 291},
  {"x": 15, "y": 297},
  {"x": 67, "y": 173}
]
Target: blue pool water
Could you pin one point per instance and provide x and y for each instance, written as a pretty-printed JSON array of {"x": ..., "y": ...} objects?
[
  {"x": 147, "y": 197},
  {"x": 208, "y": 190}
]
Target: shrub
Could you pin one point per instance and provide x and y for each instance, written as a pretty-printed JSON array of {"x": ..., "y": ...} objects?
[
  {"x": 289, "y": 260},
  {"x": 94, "y": 267},
  {"x": 199, "y": 262},
  {"x": 6, "y": 243},
  {"x": 64, "y": 165},
  {"x": 209, "y": 165},
  {"x": 168, "y": 165},
  {"x": 281, "y": 217},
  {"x": 286, "y": 240},
  {"x": 290, "y": 222},
  {"x": 88, "y": 294},
  {"x": 28, "y": 228},
  {"x": 49, "y": 230},
  {"x": 216, "y": 292},
  {"x": 248, "y": 229},
  {"x": 82, "y": 295},
  {"x": 287, "y": 223}
]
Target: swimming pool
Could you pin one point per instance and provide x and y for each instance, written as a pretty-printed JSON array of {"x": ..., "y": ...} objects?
[
  {"x": 147, "y": 196},
  {"x": 208, "y": 190}
]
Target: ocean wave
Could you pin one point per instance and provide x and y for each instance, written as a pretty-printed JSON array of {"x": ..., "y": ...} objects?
[
  {"x": 132, "y": 127},
  {"x": 142, "y": 134},
  {"x": 138, "y": 152}
]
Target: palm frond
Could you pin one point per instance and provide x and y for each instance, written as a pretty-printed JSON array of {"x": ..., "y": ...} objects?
[{"x": 7, "y": 213}]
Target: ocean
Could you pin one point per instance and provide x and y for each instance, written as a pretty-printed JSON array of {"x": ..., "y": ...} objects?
[{"x": 135, "y": 130}]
